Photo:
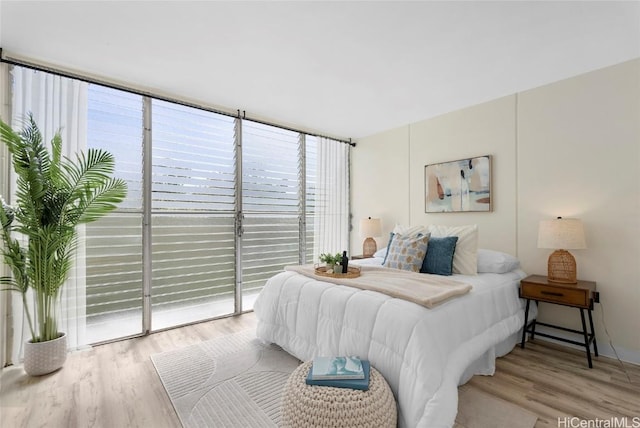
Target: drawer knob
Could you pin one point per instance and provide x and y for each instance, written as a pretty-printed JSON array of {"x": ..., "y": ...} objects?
[{"x": 552, "y": 293}]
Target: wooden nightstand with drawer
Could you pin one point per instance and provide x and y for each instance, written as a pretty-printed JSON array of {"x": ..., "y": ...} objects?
[{"x": 581, "y": 295}]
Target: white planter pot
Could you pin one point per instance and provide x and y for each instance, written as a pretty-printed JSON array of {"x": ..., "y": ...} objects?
[{"x": 41, "y": 358}]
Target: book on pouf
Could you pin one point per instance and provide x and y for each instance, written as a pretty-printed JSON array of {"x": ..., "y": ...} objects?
[
  {"x": 325, "y": 368},
  {"x": 361, "y": 384}
]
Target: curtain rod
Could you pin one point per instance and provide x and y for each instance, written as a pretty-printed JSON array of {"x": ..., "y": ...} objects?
[{"x": 71, "y": 75}]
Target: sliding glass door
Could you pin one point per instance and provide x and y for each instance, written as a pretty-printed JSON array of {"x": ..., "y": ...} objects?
[
  {"x": 271, "y": 205},
  {"x": 193, "y": 214}
]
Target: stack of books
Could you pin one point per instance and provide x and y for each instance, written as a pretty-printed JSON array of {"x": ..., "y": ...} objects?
[{"x": 340, "y": 372}]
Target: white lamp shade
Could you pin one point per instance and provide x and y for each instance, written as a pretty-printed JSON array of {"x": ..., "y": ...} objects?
[
  {"x": 561, "y": 233},
  {"x": 370, "y": 227}
]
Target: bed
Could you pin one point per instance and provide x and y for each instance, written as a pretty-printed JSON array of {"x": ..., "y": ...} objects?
[{"x": 423, "y": 353}]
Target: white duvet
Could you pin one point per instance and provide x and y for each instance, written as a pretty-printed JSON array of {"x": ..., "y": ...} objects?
[{"x": 423, "y": 353}]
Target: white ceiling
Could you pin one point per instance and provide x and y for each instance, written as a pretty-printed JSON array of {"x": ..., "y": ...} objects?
[{"x": 346, "y": 69}]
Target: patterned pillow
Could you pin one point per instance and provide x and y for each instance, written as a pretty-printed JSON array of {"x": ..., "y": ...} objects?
[
  {"x": 439, "y": 258},
  {"x": 407, "y": 252}
]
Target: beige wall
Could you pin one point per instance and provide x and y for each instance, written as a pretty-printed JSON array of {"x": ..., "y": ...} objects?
[
  {"x": 380, "y": 183},
  {"x": 579, "y": 156},
  {"x": 571, "y": 148},
  {"x": 488, "y": 129}
]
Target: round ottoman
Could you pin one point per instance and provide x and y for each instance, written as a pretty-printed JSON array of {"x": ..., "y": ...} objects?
[{"x": 322, "y": 406}]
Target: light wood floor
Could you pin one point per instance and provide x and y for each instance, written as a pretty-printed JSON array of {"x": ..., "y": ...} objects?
[{"x": 115, "y": 385}]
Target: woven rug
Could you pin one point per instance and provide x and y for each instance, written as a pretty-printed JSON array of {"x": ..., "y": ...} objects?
[{"x": 236, "y": 381}]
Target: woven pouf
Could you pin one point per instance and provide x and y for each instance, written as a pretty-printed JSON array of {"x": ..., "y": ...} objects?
[{"x": 321, "y": 406}]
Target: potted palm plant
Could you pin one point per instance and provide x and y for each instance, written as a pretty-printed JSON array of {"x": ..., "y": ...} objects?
[{"x": 54, "y": 194}]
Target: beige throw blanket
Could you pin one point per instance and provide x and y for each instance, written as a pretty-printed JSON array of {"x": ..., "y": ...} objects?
[{"x": 421, "y": 288}]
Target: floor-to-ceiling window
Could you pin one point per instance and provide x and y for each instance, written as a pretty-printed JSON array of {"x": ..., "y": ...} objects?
[
  {"x": 193, "y": 213},
  {"x": 114, "y": 243},
  {"x": 310, "y": 196},
  {"x": 216, "y": 205},
  {"x": 271, "y": 204}
]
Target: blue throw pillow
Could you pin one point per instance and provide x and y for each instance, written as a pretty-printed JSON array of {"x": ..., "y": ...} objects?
[
  {"x": 439, "y": 258},
  {"x": 388, "y": 246}
]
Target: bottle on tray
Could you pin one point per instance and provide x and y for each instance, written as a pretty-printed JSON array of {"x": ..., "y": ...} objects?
[{"x": 344, "y": 262}]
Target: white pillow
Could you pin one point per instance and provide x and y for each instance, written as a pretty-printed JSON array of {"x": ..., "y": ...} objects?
[
  {"x": 465, "y": 258},
  {"x": 410, "y": 230},
  {"x": 381, "y": 252},
  {"x": 490, "y": 261}
]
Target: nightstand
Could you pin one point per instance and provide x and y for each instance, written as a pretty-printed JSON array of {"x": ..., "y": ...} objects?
[
  {"x": 360, "y": 257},
  {"x": 581, "y": 295}
]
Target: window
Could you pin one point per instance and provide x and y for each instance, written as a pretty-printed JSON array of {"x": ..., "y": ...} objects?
[
  {"x": 216, "y": 205},
  {"x": 113, "y": 256},
  {"x": 193, "y": 214},
  {"x": 271, "y": 205}
]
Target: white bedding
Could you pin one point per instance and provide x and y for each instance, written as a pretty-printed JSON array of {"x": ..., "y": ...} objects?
[{"x": 423, "y": 353}]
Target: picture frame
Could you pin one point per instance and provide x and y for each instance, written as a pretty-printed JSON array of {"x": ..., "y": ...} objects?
[{"x": 462, "y": 185}]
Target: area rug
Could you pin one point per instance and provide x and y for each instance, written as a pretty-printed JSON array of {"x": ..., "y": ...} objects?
[{"x": 236, "y": 381}]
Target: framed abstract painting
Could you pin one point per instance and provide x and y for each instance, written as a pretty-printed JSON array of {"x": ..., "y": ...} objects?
[{"x": 458, "y": 186}]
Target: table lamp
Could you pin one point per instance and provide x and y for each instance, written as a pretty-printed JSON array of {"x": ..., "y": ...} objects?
[
  {"x": 369, "y": 228},
  {"x": 561, "y": 234}
]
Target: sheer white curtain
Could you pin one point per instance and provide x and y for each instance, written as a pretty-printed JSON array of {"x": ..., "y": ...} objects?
[
  {"x": 331, "y": 224},
  {"x": 5, "y": 309},
  {"x": 56, "y": 103}
]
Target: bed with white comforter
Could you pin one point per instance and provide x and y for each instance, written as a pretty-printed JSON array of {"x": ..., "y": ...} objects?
[{"x": 423, "y": 353}]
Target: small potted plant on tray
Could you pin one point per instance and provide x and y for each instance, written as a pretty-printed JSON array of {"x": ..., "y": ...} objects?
[{"x": 331, "y": 260}]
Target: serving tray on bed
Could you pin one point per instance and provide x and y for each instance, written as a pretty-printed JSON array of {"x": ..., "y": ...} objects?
[{"x": 352, "y": 272}]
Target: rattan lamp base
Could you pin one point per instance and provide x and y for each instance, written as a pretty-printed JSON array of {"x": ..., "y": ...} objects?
[
  {"x": 369, "y": 247},
  {"x": 561, "y": 268}
]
